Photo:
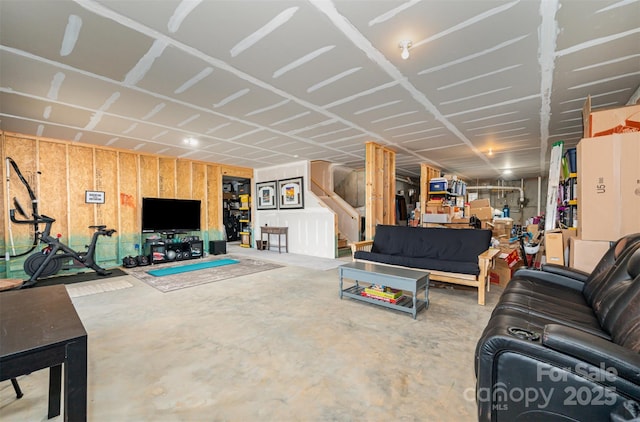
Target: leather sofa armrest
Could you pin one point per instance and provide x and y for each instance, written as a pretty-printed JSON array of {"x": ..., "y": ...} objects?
[
  {"x": 565, "y": 271},
  {"x": 601, "y": 353},
  {"x": 364, "y": 245},
  {"x": 548, "y": 277}
]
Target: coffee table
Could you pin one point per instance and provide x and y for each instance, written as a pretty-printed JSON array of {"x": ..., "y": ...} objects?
[{"x": 404, "y": 279}]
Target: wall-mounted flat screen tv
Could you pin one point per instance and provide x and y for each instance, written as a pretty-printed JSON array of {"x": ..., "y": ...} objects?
[{"x": 170, "y": 215}]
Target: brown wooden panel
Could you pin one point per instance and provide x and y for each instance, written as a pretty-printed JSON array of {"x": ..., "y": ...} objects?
[
  {"x": 53, "y": 190},
  {"x": 106, "y": 180},
  {"x": 167, "y": 177},
  {"x": 214, "y": 202},
  {"x": 234, "y": 171},
  {"x": 184, "y": 180},
  {"x": 128, "y": 187},
  {"x": 23, "y": 153},
  {"x": 149, "y": 177},
  {"x": 199, "y": 191},
  {"x": 81, "y": 179}
]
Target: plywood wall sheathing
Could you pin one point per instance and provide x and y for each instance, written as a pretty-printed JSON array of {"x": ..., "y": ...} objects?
[
  {"x": 199, "y": 190},
  {"x": 149, "y": 177},
  {"x": 183, "y": 179},
  {"x": 60, "y": 172},
  {"x": 214, "y": 194},
  {"x": 81, "y": 178},
  {"x": 167, "y": 177},
  {"x": 54, "y": 189},
  {"x": 128, "y": 202},
  {"x": 106, "y": 180},
  {"x": 20, "y": 237}
]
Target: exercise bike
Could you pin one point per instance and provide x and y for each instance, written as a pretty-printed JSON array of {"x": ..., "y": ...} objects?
[{"x": 50, "y": 260}]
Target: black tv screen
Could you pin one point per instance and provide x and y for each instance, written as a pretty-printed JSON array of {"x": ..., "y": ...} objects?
[{"x": 170, "y": 215}]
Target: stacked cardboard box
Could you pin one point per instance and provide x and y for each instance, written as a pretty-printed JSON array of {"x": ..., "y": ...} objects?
[
  {"x": 585, "y": 254},
  {"x": 609, "y": 173},
  {"x": 505, "y": 265},
  {"x": 481, "y": 208},
  {"x": 609, "y": 121},
  {"x": 556, "y": 245},
  {"x": 609, "y": 186}
]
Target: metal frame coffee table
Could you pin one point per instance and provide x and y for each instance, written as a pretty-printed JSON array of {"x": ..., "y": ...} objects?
[{"x": 404, "y": 279}]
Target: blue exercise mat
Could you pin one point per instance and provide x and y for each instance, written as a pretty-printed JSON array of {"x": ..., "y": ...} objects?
[{"x": 192, "y": 267}]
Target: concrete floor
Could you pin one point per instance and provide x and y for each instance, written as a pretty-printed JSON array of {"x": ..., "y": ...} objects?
[{"x": 273, "y": 346}]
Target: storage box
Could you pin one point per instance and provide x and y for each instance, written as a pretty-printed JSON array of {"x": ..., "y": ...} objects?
[
  {"x": 484, "y": 213},
  {"x": 438, "y": 184},
  {"x": 556, "y": 243},
  {"x": 554, "y": 248},
  {"x": 608, "y": 121},
  {"x": 585, "y": 254},
  {"x": 480, "y": 203},
  {"x": 436, "y": 218},
  {"x": 609, "y": 186},
  {"x": 506, "y": 264}
]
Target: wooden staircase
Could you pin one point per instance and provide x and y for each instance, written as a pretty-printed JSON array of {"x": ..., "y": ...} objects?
[{"x": 344, "y": 249}]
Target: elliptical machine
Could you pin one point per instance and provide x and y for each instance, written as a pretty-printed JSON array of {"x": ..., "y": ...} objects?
[{"x": 50, "y": 260}]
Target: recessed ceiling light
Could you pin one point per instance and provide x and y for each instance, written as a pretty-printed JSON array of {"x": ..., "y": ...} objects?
[
  {"x": 507, "y": 172},
  {"x": 191, "y": 141}
]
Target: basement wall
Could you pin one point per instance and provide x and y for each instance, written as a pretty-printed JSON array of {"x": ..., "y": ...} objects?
[
  {"x": 60, "y": 172},
  {"x": 313, "y": 229}
]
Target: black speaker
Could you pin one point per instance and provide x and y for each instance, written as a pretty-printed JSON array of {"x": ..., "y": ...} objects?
[{"x": 217, "y": 247}]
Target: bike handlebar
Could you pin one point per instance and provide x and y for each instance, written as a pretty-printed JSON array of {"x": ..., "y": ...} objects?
[{"x": 44, "y": 219}]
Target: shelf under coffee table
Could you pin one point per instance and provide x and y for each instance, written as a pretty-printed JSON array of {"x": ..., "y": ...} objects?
[{"x": 404, "y": 279}]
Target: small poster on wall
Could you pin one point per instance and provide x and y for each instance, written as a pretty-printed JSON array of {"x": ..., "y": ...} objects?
[
  {"x": 266, "y": 196},
  {"x": 290, "y": 193},
  {"x": 94, "y": 197}
]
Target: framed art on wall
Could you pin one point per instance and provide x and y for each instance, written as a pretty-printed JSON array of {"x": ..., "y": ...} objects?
[
  {"x": 266, "y": 196},
  {"x": 290, "y": 193}
]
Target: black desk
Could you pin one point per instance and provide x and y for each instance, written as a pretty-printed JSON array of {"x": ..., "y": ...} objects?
[{"x": 39, "y": 328}]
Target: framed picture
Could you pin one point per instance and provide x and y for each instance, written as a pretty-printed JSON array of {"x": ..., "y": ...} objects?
[
  {"x": 93, "y": 197},
  {"x": 290, "y": 193},
  {"x": 266, "y": 196}
]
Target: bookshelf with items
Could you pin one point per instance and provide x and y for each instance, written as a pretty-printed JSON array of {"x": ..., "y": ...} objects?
[
  {"x": 445, "y": 196},
  {"x": 568, "y": 194},
  {"x": 244, "y": 222}
]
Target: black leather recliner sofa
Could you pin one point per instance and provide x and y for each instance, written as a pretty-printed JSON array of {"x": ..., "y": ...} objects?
[{"x": 563, "y": 345}]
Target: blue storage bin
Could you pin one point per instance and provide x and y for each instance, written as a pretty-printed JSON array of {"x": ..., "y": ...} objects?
[{"x": 438, "y": 184}]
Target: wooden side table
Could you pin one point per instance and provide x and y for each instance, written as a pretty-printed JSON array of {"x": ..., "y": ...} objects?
[{"x": 279, "y": 231}]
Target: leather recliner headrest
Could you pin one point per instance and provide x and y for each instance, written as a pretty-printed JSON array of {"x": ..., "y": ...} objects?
[
  {"x": 633, "y": 264},
  {"x": 624, "y": 243}
]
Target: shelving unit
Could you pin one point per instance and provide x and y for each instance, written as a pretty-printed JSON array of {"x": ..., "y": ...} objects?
[
  {"x": 231, "y": 216},
  {"x": 569, "y": 209},
  {"x": 244, "y": 222}
]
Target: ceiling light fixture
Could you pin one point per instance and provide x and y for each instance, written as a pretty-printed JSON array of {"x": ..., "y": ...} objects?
[
  {"x": 405, "y": 45},
  {"x": 191, "y": 141},
  {"x": 490, "y": 151}
]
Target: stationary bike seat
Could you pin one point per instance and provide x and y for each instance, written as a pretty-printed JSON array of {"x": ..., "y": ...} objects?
[{"x": 98, "y": 227}]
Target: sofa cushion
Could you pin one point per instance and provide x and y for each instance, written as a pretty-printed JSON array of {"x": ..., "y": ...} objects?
[
  {"x": 462, "y": 245},
  {"x": 421, "y": 263}
]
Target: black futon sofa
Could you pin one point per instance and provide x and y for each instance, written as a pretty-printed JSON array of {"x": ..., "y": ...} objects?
[
  {"x": 460, "y": 256},
  {"x": 562, "y": 345}
]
